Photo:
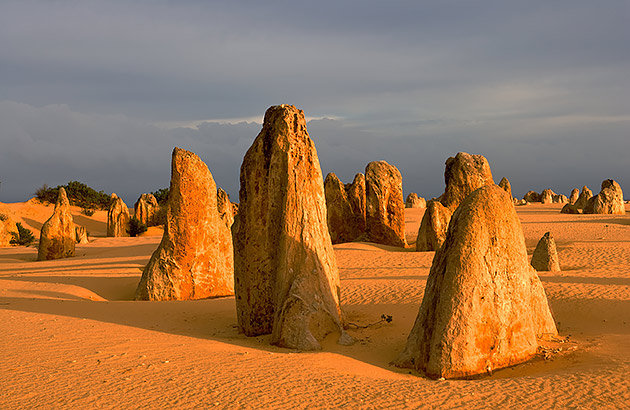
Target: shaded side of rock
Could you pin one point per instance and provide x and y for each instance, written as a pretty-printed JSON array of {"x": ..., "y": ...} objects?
[
  {"x": 286, "y": 275},
  {"x": 545, "y": 257},
  {"x": 81, "y": 234},
  {"x": 532, "y": 196},
  {"x": 146, "y": 209},
  {"x": 433, "y": 227},
  {"x": 505, "y": 184},
  {"x": 342, "y": 223},
  {"x": 117, "y": 218},
  {"x": 356, "y": 196},
  {"x": 585, "y": 195},
  {"x": 58, "y": 237},
  {"x": 195, "y": 257},
  {"x": 570, "y": 209},
  {"x": 483, "y": 306},
  {"x": 575, "y": 194},
  {"x": 225, "y": 207},
  {"x": 385, "y": 209},
  {"x": 546, "y": 197}
]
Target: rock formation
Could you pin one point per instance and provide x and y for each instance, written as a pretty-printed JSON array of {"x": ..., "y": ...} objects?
[
  {"x": 545, "y": 257},
  {"x": 57, "y": 238},
  {"x": 575, "y": 194},
  {"x": 585, "y": 195},
  {"x": 117, "y": 218},
  {"x": 81, "y": 234},
  {"x": 8, "y": 227},
  {"x": 225, "y": 207},
  {"x": 505, "y": 184},
  {"x": 146, "y": 208},
  {"x": 484, "y": 305},
  {"x": 433, "y": 227},
  {"x": 546, "y": 196},
  {"x": 286, "y": 276},
  {"x": 195, "y": 258},
  {"x": 415, "y": 201},
  {"x": 343, "y": 225},
  {"x": 608, "y": 201},
  {"x": 560, "y": 199},
  {"x": 570, "y": 209},
  {"x": 356, "y": 196},
  {"x": 384, "y": 206},
  {"x": 532, "y": 196},
  {"x": 463, "y": 174}
]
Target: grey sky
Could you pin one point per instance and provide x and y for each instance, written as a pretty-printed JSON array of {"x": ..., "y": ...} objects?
[{"x": 95, "y": 90}]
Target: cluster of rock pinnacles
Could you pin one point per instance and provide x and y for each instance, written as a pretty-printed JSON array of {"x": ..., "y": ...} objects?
[{"x": 279, "y": 262}]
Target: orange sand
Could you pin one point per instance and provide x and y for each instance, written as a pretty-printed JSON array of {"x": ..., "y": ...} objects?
[{"x": 72, "y": 338}]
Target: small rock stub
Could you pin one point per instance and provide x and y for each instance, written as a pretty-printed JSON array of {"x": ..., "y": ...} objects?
[
  {"x": 505, "y": 184},
  {"x": 415, "y": 201},
  {"x": 117, "y": 218},
  {"x": 545, "y": 257},
  {"x": 58, "y": 237},
  {"x": 286, "y": 275},
  {"x": 483, "y": 306},
  {"x": 195, "y": 257},
  {"x": 432, "y": 231},
  {"x": 385, "y": 209}
]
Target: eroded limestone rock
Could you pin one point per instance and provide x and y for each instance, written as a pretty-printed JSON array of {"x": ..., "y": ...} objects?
[
  {"x": 433, "y": 227},
  {"x": 117, "y": 218},
  {"x": 385, "y": 209},
  {"x": 287, "y": 281},
  {"x": 415, "y": 201},
  {"x": 463, "y": 174},
  {"x": 195, "y": 257},
  {"x": 58, "y": 238},
  {"x": 146, "y": 209},
  {"x": 545, "y": 257},
  {"x": 608, "y": 201}
]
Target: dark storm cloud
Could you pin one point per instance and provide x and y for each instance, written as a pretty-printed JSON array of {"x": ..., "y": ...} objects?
[{"x": 538, "y": 87}]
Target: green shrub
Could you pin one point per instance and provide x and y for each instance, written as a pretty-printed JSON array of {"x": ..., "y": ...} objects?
[
  {"x": 136, "y": 227},
  {"x": 24, "y": 236},
  {"x": 88, "y": 210},
  {"x": 78, "y": 194},
  {"x": 161, "y": 195}
]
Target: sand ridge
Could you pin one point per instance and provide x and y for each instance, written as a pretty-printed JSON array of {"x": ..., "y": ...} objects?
[{"x": 73, "y": 338}]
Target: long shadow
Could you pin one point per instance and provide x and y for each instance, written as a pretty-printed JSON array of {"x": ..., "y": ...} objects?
[
  {"x": 586, "y": 280},
  {"x": 71, "y": 268},
  {"x": 386, "y": 278},
  {"x": 35, "y": 224}
]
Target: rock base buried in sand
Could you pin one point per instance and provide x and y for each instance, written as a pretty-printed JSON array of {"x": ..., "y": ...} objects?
[
  {"x": 195, "y": 257},
  {"x": 58, "y": 237},
  {"x": 483, "y": 305},
  {"x": 545, "y": 257},
  {"x": 286, "y": 276},
  {"x": 608, "y": 201}
]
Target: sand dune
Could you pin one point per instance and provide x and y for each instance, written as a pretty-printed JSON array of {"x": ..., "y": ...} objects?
[{"x": 73, "y": 338}]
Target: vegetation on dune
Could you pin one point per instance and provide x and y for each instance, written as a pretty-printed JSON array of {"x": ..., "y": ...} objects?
[
  {"x": 161, "y": 195},
  {"x": 79, "y": 194},
  {"x": 24, "y": 236},
  {"x": 136, "y": 227}
]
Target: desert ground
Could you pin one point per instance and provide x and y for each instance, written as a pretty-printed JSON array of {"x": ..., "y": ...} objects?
[{"x": 72, "y": 336}]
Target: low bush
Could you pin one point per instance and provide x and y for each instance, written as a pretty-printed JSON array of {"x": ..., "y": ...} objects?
[
  {"x": 24, "y": 236},
  {"x": 136, "y": 227},
  {"x": 78, "y": 194},
  {"x": 161, "y": 195}
]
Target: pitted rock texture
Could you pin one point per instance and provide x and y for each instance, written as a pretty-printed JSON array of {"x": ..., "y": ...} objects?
[
  {"x": 608, "y": 201},
  {"x": 432, "y": 231},
  {"x": 58, "y": 237},
  {"x": 146, "y": 209},
  {"x": 582, "y": 200},
  {"x": 117, "y": 218},
  {"x": 195, "y": 257},
  {"x": 286, "y": 275},
  {"x": 385, "y": 209},
  {"x": 225, "y": 208},
  {"x": 81, "y": 234},
  {"x": 483, "y": 305}
]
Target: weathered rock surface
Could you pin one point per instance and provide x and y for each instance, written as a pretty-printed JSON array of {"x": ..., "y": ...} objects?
[
  {"x": 546, "y": 196},
  {"x": 195, "y": 257},
  {"x": 8, "y": 227},
  {"x": 463, "y": 174},
  {"x": 532, "y": 196},
  {"x": 117, "y": 218},
  {"x": 575, "y": 194},
  {"x": 57, "y": 238},
  {"x": 585, "y": 195},
  {"x": 81, "y": 234},
  {"x": 570, "y": 209},
  {"x": 432, "y": 231},
  {"x": 415, "y": 201},
  {"x": 545, "y": 257},
  {"x": 505, "y": 184},
  {"x": 225, "y": 207},
  {"x": 356, "y": 196},
  {"x": 343, "y": 225},
  {"x": 608, "y": 201},
  {"x": 146, "y": 209},
  {"x": 287, "y": 280},
  {"x": 560, "y": 199},
  {"x": 483, "y": 305},
  {"x": 385, "y": 209}
]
